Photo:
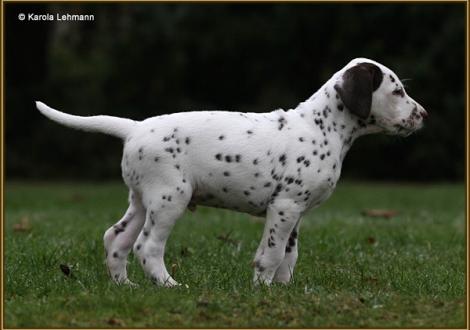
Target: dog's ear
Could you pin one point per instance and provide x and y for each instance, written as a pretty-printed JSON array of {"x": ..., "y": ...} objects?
[{"x": 359, "y": 82}]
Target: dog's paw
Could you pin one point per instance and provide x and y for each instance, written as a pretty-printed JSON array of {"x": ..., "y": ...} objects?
[
  {"x": 130, "y": 283},
  {"x": 168, "y": 282},
  {"x": 123, "y": 281},
  {"x": 171, "y": 283},
  {"x": 261, "y": 279}
]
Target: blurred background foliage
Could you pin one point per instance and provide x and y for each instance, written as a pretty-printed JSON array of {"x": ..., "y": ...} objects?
[{"x": 144, "y": 59}]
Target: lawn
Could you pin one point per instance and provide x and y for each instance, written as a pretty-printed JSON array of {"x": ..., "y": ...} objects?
[{"x": 353, "y": 270}]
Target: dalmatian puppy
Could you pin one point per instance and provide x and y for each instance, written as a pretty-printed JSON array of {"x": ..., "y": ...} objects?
[{"x": 278, "y": 165}]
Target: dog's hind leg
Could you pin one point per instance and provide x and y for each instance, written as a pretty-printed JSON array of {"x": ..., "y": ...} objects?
[
  {"x": 120, "y": 237},
  {"x": 165, "y": 205},
  {"x": 286, "y": 270}
]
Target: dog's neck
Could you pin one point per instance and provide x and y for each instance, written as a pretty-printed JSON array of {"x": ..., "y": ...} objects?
[{"x": 325, "y": 111}]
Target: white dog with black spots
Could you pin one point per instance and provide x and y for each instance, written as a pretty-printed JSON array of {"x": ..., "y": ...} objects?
[{"x": 278, "y": 164}]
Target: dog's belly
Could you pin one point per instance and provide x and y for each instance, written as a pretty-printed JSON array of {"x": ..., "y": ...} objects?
[
  {"x": 229, "y": 204},
  {"x": 248, "y": 198}
]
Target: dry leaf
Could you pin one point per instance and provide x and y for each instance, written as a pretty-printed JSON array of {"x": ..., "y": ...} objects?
[
  {"x": 226, "y": 238},
  {"x": 371, "y": 279},
  {"x": 371, "y": 240},
  {"x": 65, "y": 269},
  {"x": 186, "y": 251},
  {"x": 378, "y": 213},
  {"x": 174, "y": 268},
  {"x": 115, "y": 321},
  {"x": 23, "y": 225}
]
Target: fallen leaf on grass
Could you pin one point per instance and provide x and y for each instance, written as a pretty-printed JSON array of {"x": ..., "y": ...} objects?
[
  {"x": 23, "y": 225},
  {"x": 175, "y": 311},
  {"x": 174, "y": 268},
  {"x": 226, "y": 238},
  {"x": 65, "y": 269},
  {"x": 438, "y": 304},
  {"x": 115, "y": 321},
  {"x": 371, "y": 240},
  {"x": 371, "y": 280},
  {"x": 146, "y": 311},
  {"x": 186, "y": 251},
  {"x": 202, "y": 302},
  {"x": 203, "y": 316},
  {"x": 378, "y": 213}
]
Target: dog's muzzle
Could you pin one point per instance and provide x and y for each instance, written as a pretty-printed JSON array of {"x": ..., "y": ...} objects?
[{"x": 413, "y": 123}]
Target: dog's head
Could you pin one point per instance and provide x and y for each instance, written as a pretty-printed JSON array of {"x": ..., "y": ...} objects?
[{"x": 374, "y": 93}]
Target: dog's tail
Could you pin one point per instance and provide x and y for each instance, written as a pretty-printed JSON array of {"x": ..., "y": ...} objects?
[{"x": 114, "y": 126}]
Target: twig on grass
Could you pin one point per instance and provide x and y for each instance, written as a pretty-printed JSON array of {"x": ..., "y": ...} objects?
[{"x": 226, "y": 238}]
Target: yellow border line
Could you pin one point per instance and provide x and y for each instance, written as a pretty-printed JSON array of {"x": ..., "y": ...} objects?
[
  {"x": 2, "y": 158},
  {"x": 466, "y": 165},
  {"x": 421, "y": 2}
]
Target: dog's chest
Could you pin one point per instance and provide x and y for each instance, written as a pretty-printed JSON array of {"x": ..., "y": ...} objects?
[{"x": 312, "y": 175}]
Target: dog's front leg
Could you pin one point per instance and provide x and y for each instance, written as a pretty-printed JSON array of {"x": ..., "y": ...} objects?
[
  {"x": 285, "y": 271},
  {"x": 282, "y": 217}
]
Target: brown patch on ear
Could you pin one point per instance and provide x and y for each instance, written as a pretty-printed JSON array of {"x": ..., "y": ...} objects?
[{"x": 359, "y": 82}]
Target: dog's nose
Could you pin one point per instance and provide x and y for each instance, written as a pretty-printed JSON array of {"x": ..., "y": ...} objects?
[{"x": 423, "y": 113}]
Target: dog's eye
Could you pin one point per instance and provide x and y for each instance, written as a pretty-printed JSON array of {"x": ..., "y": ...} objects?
[{"x": 399, "y": 91}]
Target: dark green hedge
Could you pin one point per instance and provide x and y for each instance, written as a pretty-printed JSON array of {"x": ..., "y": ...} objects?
[{"x": 140, "y": 60}]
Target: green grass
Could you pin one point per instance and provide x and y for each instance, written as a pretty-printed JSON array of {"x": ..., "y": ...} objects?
[{"x": 353, "y": 271}]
